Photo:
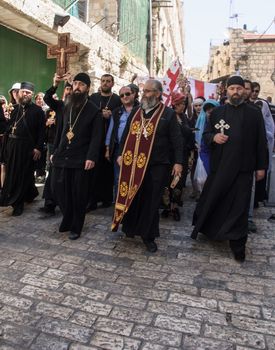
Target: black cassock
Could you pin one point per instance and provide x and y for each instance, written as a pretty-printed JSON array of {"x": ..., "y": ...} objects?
[
  {"x": 103, "y": 181},
  {"x": 19, "y": 184},
  {"x": 70, "y": 182},
  {"x": 142, "y": 218},
  {"x": 222, "y": 211}
]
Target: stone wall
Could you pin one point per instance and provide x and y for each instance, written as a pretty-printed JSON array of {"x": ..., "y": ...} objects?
[
  {"x": 105, "y": 13},
  {"x": 99, "y": 51},
  {"x": 250, "y": 54}
]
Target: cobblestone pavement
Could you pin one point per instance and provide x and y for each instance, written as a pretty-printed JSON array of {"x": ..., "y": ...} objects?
[{"x": 104, "y": 291}]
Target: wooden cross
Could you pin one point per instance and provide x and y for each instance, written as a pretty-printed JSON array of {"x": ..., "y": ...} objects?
[
  {"x": 222, "y": 125},
  {"x": 62, "y": 52}
]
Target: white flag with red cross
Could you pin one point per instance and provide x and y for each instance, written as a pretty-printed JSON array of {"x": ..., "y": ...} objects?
[
  {"x": 169, "y": 82},
  {"x": 202, "y": 88}
]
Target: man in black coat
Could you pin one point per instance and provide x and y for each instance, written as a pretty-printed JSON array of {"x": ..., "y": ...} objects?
[
  {"x": 103, "y": 178},
  {"x": 76, "y": 151},
  {"x": 236, "y": 136},
  {"x": 24, "y": 136}
]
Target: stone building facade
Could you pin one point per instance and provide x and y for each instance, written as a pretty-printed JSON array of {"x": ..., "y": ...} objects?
[
  {"x": 167, "y": 34},
  {"x": 122, "y": 37},
  {"x": 250, "y": 54}
]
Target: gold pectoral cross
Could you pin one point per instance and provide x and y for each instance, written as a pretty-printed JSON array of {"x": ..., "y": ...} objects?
[
  {"x": 222, "y": 125},
  {"x": 70, "y": 135}
]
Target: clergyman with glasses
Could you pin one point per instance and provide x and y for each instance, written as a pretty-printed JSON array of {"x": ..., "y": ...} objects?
[{"x": 151, "y": 133}]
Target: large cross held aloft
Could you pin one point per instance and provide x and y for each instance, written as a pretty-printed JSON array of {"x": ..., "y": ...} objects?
[
  {"x": 222, "y": 125},
  {"x": 62, "y": 52}
]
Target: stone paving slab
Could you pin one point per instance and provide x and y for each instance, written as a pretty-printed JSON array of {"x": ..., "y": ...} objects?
[{"x": 104, "y": 291}]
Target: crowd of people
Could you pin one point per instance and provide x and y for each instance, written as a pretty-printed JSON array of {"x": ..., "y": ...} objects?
[{"x": 136, "y": 153}]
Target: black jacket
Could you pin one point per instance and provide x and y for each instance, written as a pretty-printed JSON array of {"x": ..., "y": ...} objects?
[
  {"x": 31, "y": 126},
  {"x": 251, "y": 144},
  {"x": 168, "y": 136}
]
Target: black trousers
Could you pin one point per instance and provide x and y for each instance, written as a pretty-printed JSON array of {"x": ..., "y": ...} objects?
[
  {"x": 70, "y": 188},
  {"x": 47, "y": 192},
  {"x": 238, "y": 245}
]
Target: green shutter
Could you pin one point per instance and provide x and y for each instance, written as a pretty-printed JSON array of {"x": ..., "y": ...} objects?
[
  {"x": 133, "y": 26},
  {"x": 23, "y": 59}
]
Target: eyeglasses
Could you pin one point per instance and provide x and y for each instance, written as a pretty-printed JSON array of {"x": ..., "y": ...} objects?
[
  {"x": 257, "y": 91},
  {"x": 126, "y": 94},
  {"x": 145, "y": 91}
]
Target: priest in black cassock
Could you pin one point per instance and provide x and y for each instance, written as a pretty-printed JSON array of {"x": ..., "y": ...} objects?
[
  {"x": 151, "y": 135},
  {"x": 76, "y": 150},
  {"x": 237, "y": 140},
  {"x": 24, "y": 139},
  {"x": 102, "y": 183}
]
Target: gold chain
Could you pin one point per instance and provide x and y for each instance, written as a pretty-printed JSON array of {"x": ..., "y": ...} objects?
[
  {"x": 17, "y": 121},
  {"x": 70, "y": 133}
]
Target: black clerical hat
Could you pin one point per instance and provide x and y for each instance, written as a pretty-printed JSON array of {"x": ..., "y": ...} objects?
[
  {"x": 84, "y": 78},
  {"x": 67, "y": 84},
  {"x": 235, "y": 80},
  {"x": 26, "y": 85}
]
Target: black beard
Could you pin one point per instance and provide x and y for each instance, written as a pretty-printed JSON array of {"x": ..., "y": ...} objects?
[
  {"x": 77, "y": 99},
  {"x": 24, "y": 101},
  {"x": 236, "y": 101},
  {"x": 106, "y": 90}
]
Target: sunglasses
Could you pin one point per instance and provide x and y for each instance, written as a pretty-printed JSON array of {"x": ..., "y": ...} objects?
[
  {"x": 126, "y": 94},
  {"x": 257, "y": 91}
]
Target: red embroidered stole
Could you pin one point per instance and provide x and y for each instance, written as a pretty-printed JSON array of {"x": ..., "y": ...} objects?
[{"x": 135, "y": 157}]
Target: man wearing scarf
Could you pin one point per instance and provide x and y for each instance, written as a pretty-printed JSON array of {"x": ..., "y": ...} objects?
[
  {"x": 76, "y": 150},
  {"x": 237, "y": 139},
  {"x": 151, "y": 132},
  {"x": 24, "y": 141}
]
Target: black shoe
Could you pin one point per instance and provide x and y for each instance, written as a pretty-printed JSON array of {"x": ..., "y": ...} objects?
[
  {"x": 239, "y": 256},
  {"x": 151, "y": 247},
  {"x": 63, "y": 228},
  {"x": 73, "y": 236},
  {"x": 42, "y": 209},
  {"x": 91, "y": 207},
  {"x": 48, "y": 210},
  {"x": 48, "y": 214},
  {"x": 176, "y": 214},
  {"x": 18, "y": 210},
  {"x": 106, "y": 204},
  {"x": 271, "y": 218},
  {"x": 252, "y": 226},
  {"x": 165, "y": 213}
]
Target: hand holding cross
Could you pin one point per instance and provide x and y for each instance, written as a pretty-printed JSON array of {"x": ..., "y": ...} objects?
[
  {"x": 221, "y": 138},
  {"x": 222, "y": 125},
  {"x": 62, "y": 52}
]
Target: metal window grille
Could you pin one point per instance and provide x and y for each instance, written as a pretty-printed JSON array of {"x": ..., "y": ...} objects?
[{"x": 76, "y": 8}]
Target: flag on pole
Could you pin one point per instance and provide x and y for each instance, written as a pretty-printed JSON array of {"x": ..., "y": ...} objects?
[
  {"x": 202, "y": 88},
  {"x": 169, "y": 82}
]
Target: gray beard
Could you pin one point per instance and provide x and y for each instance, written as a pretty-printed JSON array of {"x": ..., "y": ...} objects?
[
  {"x": 149, "y": 103},
  {"x": 22, "y": 101}
]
